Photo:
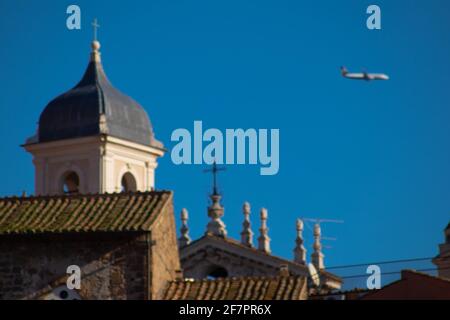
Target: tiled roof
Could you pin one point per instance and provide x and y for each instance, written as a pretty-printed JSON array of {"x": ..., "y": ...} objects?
[
  {"x": 246, "y": 288},
  {"x": 81, "y": 213},
  {"x": 407, "y": 273}
]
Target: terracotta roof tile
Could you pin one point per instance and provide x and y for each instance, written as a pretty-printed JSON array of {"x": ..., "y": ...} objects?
[
  {"x": 81, "y": 213},
  {"x": 246, "y": 288}
]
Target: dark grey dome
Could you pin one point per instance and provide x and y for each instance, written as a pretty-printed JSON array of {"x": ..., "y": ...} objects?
[{"x": 95, "y": 107}]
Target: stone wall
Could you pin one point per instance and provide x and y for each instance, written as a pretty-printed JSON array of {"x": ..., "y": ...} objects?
[
  {"x": 165, "y": 259},
  {"x": 113, "y": 266}
]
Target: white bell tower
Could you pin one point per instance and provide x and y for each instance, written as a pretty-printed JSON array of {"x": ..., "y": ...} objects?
[{"x": 94, "y": 139}]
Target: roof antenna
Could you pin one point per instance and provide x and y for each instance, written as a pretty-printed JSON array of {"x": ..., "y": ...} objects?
[{"x": 317, "y": 257}]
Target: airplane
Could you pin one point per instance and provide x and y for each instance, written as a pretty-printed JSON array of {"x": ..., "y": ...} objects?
[{"x": 363, "y": 76}]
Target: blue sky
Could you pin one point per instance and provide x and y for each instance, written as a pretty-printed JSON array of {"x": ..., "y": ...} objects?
[{"x": 375, "y": 155}]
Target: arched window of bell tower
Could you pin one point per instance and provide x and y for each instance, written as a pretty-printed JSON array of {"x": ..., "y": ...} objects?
[
  {"x": 128, "y": 183},
  {"x": 71, "y": 183}
]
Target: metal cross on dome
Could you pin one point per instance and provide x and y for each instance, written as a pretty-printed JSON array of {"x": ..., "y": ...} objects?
[
  {"x": 95, "y": 26},
  {"x": 214, "y": 171}
]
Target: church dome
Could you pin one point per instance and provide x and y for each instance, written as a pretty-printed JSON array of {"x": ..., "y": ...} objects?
[{"x": 95, "y": 107}]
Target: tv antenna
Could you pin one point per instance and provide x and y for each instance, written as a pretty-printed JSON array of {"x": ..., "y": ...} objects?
[{"x": 319, "y": 221}]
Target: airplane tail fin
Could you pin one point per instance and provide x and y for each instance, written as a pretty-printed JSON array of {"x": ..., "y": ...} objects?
[{"x": 344, "y": 70}]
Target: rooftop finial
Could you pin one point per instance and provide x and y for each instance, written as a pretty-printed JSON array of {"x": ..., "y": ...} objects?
[
  {"x": 215, "y": 212},
  {"x": 299, "y": 250},
  {"x": 247, "y": 233},
  {"x": 95, "y": 45},
  {"x": 317, "y": 256},
  {"x": 264, "y": 240},
  {"x": 184, "y": 239}
]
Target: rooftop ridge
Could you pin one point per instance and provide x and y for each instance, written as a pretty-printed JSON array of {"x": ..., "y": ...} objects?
[
  {"x": 81, "y": 195},
  {"x": 423, "y": 274}
]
